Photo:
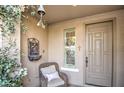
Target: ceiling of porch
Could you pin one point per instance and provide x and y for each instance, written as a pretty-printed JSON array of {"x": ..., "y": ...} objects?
[{"x": 57, "y": 13}]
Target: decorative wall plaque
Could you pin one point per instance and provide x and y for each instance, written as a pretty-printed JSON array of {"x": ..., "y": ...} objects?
[{"x": 33, "y": 49}]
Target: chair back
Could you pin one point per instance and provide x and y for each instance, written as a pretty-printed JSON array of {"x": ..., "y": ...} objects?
[
  {"x": 43, "y": 65},
  {"x": 44, "y": 81}
]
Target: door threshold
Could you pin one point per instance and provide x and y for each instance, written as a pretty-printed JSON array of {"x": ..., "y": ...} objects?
[{"x": 86, "y": 85}]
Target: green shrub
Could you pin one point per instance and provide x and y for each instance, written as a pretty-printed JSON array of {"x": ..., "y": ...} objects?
[{"x": 11, "y": 70}]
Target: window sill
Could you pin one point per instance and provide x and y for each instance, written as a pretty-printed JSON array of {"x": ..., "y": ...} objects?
[{"x": 70, "y": 69}]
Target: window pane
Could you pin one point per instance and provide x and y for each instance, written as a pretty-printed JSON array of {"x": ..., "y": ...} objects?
[
  {"x": 70, "y": 47},
  {"x": 70, "y": 56}
]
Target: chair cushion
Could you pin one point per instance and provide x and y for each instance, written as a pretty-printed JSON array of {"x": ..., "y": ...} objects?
[
  {"x": 55, "y": 82},
  {"x": 49, "y": 69},
  {"x": 52, "y": 76}
]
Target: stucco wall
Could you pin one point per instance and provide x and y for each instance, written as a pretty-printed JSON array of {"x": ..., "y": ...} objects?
[
  {"x": 34, "y": 31},
  {"x": 56, "y": 45}
]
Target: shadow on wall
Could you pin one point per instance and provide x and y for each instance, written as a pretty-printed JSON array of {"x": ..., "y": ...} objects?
[{"x": 40, "y": 34}]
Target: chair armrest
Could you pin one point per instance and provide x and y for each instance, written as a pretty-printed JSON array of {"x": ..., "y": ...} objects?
[
  {"x": 64, "y": 77},
  {"x": 43, "y": 81}
]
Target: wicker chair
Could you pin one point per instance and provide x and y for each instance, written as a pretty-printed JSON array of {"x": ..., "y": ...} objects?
[{"x": 44, "y": 80}]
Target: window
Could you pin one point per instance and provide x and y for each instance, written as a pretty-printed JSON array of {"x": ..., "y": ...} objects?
[{"x": 69, "y": 47}]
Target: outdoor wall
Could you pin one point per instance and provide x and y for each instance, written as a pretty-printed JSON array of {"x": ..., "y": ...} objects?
[
  {"x": 32, "y": 79},
  {"x": 56, "y": 45}
]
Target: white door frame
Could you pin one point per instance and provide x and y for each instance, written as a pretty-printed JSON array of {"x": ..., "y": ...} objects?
[{"x": 114, "y": 52}]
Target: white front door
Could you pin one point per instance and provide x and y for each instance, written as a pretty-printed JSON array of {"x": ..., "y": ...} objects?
[{"x": 99, "y": 54}]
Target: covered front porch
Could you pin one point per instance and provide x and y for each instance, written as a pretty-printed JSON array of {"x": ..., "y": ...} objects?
[{"x": 61, "y": 35}]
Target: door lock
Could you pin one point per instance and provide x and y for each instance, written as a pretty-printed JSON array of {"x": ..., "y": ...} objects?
[{"x": 86, "y": 61}]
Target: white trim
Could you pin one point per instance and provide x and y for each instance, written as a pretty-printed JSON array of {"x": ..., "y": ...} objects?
[{"x": 70, "y": 69}]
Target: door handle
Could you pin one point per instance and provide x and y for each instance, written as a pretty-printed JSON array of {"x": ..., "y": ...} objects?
[{"x": 86, "y": 61}]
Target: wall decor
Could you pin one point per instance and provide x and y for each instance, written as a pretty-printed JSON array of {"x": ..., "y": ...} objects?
[{"x": 33, "y": 49}]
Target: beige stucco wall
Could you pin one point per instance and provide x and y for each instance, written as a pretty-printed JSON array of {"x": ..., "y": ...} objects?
[
  {"x": 56, "y": 45},
  {"x": 32, "y": 79}
]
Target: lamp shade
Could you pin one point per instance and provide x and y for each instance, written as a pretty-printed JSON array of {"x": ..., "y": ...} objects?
[{"x": 41, "y": 10}]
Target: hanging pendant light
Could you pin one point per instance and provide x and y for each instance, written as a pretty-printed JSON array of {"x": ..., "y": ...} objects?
[{"x": 41, "y": 12}]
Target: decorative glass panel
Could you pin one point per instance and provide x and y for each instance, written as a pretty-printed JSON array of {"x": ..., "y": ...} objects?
[{"x": 69, "y": 47}]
